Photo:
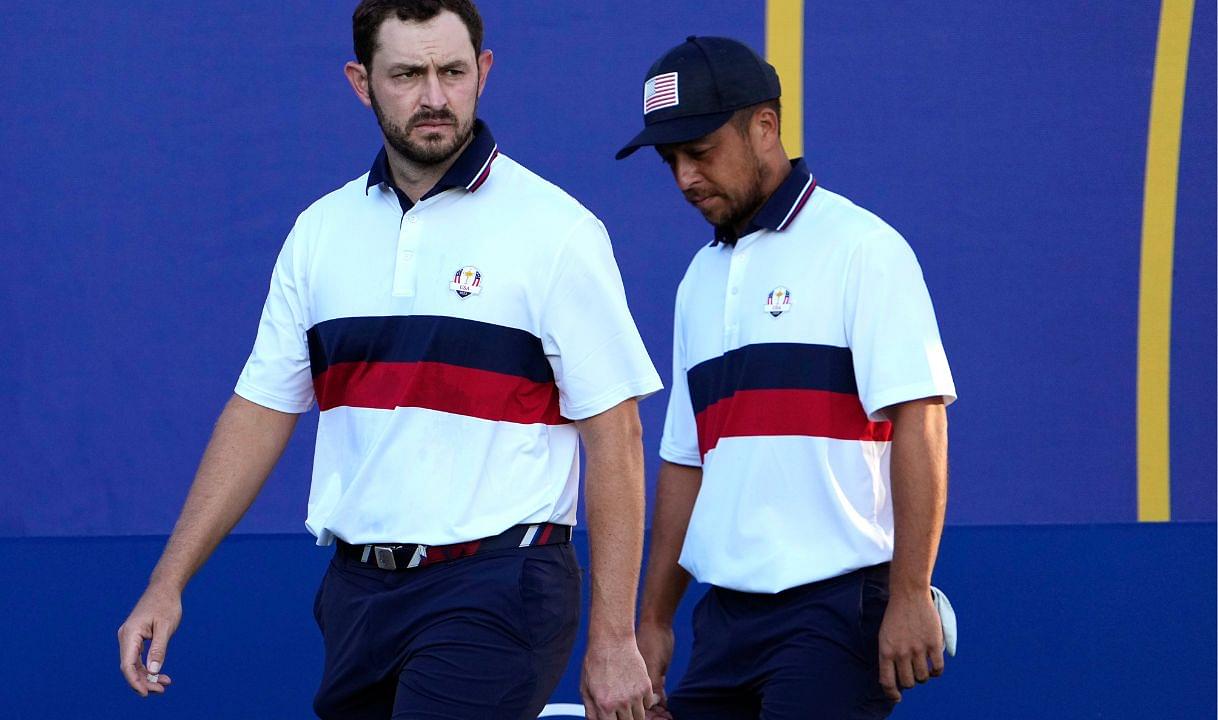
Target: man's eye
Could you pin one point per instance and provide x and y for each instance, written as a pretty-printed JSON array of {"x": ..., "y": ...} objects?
[{"x": 453, "y": 72}]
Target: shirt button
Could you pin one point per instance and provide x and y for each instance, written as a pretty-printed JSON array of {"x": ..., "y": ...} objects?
[
  {"x": 412, "y": 219},
  {"x": 735, "y": 290}
]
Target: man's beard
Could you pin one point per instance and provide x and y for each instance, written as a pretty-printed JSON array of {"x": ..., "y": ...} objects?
[
  {"x": 428, "y": 152},
  {"x": 741, "y": 210}
]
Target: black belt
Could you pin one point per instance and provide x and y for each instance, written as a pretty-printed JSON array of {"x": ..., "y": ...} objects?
[{"x": 402, "y": 557}]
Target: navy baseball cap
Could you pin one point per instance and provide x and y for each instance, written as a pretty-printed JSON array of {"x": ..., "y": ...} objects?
[{"x": 696, "y": 87}]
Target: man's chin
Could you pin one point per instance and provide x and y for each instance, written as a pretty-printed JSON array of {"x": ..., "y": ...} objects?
[
  {"x": 709, "y": 214},
  {"x": 431, "y": 153},
  {"x": 434, "y": 142},
  {"x": 431, "y": 136}
]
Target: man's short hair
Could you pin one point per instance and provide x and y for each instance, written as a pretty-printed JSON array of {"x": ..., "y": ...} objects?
[
  {"x": 742, "y": 117},
  {"x": 370, "y": 14}
]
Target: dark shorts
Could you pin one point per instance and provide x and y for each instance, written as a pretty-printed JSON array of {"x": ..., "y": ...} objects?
[
  {"x": 486, "y": 636},
  {"x": 807, "y": 652}
]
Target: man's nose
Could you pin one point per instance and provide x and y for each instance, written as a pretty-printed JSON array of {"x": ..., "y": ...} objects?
[
  {"x": 433, "y": 92},
  {"x": 685, "y": 173}
]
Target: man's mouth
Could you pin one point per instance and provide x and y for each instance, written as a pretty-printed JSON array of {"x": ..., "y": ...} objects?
[{"x": 433, "y": 123}]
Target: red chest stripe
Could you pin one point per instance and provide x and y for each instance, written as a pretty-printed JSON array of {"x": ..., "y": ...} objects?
[
  {"x": 812, "y": 413},
  {"x": 439, "y": 386}
]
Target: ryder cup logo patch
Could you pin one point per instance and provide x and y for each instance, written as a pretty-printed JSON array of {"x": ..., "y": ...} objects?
[
  {"x": 467, "y": 281},
  {"x": 660, "y": 92},
  {"x": 779, "y": 301}
]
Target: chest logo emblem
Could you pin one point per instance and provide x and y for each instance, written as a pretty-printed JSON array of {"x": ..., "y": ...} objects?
[
  {"x": 778, "y": 302},
  {"x": 467, "y": 281}
]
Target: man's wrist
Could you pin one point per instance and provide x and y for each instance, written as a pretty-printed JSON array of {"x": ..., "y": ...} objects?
[
  {"x": 656, "y": 618},
  {"x": 609, "y": 634},
  {"x": 162, "y": 584},
  {"x": 908, "y": 589}
]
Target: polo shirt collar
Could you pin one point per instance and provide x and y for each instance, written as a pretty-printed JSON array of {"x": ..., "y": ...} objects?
[
  {"x": 470, "y": 170},
  {"x": 780, "y": 208}
]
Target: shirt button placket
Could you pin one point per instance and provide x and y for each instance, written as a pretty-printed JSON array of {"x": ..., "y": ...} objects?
[
  {"x": 407, "y": 259},
  {"x": 731, "y": 298}
]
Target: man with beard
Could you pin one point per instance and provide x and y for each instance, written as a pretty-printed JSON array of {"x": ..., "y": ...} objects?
[
  {"x": 462, "y": 325},
  {"x": 805, "y": 446}
]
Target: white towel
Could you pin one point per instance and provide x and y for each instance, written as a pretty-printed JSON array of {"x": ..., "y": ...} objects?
[{"x": 947, "y": 617}]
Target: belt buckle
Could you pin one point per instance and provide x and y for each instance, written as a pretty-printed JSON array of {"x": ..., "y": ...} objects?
[{"x": 384, "y": 557}]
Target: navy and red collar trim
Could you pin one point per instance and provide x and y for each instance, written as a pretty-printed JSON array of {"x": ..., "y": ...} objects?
[
  {"x": 470, "y": 170},
  {"x": 780, "y": 209}
]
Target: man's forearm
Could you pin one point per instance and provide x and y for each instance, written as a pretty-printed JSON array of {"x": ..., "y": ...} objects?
[
  {"x": 614, "y": 502},
  {"x": 666, "y": 581},
  {"x": 245, "y": 445},
  {"x": 919, "y": 491}
]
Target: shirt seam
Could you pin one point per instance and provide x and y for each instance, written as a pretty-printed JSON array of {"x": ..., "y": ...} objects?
[
  {"x": 248, "y": 387},
  {"x": 563, "y": 250},
  {"x": 636, "y": 387},
  {"x": 680, "y": 458},
  {"x": 908, "y": 392}
]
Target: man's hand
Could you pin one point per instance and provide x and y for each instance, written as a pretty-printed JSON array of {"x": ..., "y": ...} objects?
[
  {"x": 655, "y": 643},
  {"x": 614, "y": 684},
  {"x": 155, "y": 618},
  {"x": 911, "y": 643}
]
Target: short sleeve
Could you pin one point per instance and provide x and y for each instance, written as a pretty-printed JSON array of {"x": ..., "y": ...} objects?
[
  {"x": 587, "y": 331},
  {"x": 679, "y": 443},
  {"x": 277, "y": 373},
  {"x": 891, "y": 327}
]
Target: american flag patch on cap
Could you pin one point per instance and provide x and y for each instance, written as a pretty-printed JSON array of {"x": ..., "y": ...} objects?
[{"x": 660, "y": 92}]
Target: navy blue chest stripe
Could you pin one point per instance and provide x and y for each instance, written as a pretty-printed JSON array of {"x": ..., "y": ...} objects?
[
  {"x": 428, "y": 338},
  {"x": 772, "y": 366}
]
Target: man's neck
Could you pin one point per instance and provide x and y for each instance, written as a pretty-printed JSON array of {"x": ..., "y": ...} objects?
[{"x": 414, "y": 179}]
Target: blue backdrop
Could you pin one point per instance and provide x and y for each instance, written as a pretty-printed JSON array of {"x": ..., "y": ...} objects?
[{"x": 155, "y": 155}]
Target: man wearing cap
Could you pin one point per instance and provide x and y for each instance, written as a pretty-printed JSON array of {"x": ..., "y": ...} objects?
[
  {"x": 462, "y": 326},
  {"x": 804, "y": 449}
]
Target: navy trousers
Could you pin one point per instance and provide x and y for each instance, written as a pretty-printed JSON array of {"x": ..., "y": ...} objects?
[
  {"x": 486, "y": 636},
  {"x": 810, "y": 652}
]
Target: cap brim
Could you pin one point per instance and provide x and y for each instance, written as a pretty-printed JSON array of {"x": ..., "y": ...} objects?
[{"x": 676, "y": 130}]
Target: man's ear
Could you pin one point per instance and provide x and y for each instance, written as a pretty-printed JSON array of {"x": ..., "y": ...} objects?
[
  {"x": 485, "y": 60},
  {"x": 766, "y": 129},
  {"x": 357, "y": 75}
]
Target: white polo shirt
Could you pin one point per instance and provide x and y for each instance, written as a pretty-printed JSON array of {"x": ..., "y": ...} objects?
[
  {"x": 449, "y": 345},
  {"x": 787, "y": 346}
]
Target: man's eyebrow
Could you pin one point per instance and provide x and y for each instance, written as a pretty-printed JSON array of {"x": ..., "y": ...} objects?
[
  {"x": 458, "y": 64},
  {"x": 393, "y": 67}
]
